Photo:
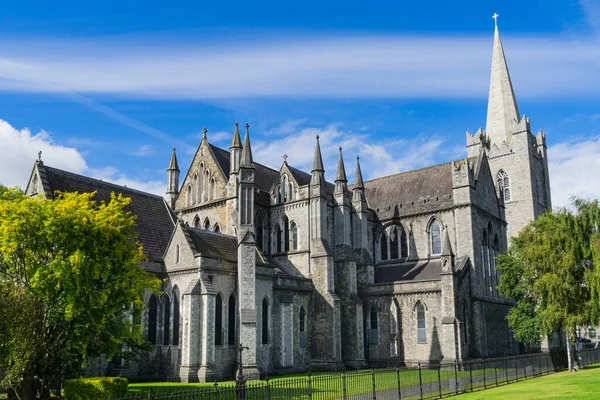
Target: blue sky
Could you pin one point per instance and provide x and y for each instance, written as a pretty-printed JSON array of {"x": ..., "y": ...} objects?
[{"x": 107, "y": 89}]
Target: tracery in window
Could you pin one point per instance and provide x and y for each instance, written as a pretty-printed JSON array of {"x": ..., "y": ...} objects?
[
  {"x": 421, "y": 324},
  {"x": 504, "y": 185},
  {"x": 393, "y": 243},
  {"x": 436, "y": 237}
]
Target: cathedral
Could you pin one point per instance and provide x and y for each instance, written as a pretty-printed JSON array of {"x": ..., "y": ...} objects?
[{"x": 304, "y": 274}]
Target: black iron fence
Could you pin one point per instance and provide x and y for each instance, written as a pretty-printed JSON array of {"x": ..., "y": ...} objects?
[{"x": 422, "y": 382}]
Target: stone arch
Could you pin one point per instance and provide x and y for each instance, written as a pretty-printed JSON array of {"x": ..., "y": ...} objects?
[
  {"x": 503, "y": 181},
  {"x": 434, "y": 235},
  {"x": 212, "y": 189},
  {"x": 207, "y": 225},
  {"x": 217, "y": 228},
  {"x": 421, "y": 319},
  {"x": 189, "y": 195},
  {"x": 196, "y": 223}
]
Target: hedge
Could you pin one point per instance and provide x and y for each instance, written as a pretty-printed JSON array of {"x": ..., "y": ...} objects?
[{"x": 95, "y": 388}]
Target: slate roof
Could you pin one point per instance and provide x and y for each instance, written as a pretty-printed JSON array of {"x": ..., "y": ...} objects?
[
  {"x": 218, "y": 246},
  {"x": 411, "y": 271},
  {"x": 155, "y": 219},
  {"x": 402, "y": 190}
]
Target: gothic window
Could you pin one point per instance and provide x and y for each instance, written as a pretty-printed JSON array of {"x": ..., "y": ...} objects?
[
  {"x": 302, "y": 328},
  {"x": 218, "y": 320},
  {"x": 152, "y": 316},
  {"x": 205, "y": 186},
  {"x": 286, "y": 234},
  {"x": 195, "y": 194},
  {"x": 265, "y": 321},
  {"x": 212, "y": 189},
  {"x": 200, "y": 182},
  {"x": 291, "y": 192},
  {"x": 197, "y": 222},
  {"x": 294, "y": 233},
  {"x": 504, "y": 185},
  {"x": 207, "y": 225},
  {"x": 278, "y": 193},
  {"x": 436, "y": 238},
  {"x": 176, "y": 315},
  {"x": 217, "y": 229},
  {"x": 384, "y": 246},
  {"x": 496, "y": 251},
  {"x": 177, "y": 254},
  {"x": 403, "y": 244},
  {"x": 166, "y": 319},
  {"x": 34, "y": 184},
  {"x": 484, "y": 261},
  {"x": 394, "y": 244},
  {"x": 188, "y": 195},
  {"x": 261, "y": 233},
  {"x": 285, "y": 192},
  {"x": 421, "y": 325},
  {"x": 373, "y": 333},
  {"x": 278, "y": 238},
  {"x": 231, "y": 309}
]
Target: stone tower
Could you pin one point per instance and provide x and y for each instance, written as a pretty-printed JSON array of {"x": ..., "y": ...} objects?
[
  {"x": 247, "y": 261},
  {"x": 518, "y": 159},
  {"x": 173, "y": 180}
]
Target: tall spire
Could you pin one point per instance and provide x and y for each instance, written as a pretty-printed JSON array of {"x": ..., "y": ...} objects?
[
  {"x": 503, "y": 113},
  {"x": 173, "y": 166},
  {"x": 358, "y": 179},
  {"x": 318, "y": 160},
  {"x": 247, "y": 150},
  {"x": 236, "y": 142},
  {"x": 341, "y": 170}
]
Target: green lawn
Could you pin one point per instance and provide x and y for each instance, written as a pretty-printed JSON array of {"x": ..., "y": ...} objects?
[{"x": 581, "y": 385}]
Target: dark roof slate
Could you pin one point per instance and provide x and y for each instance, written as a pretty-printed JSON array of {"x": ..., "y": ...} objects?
[
  {"x": 154, "y": 222},
  {"x": 411, "y": 271},
  {"x": 409, "y": 189}
]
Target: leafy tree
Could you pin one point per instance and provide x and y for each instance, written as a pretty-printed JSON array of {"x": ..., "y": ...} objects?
[
  {"x": 70, "y": 276},
  {"x": 552, "y": 271}
]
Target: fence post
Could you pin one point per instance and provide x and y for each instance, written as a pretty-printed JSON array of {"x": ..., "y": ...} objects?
[
  {"x": 483, "y": 365},
  {"x": 215, "y": 388},
  {"x": 456, "y": 377},
  {"x": 471, "y": 374},
  {"x": 344, "y": 384},
  {"x": 420, "y": 383},
  {"x": 398, "y": 379},
  {"x": 149, "y": 392},
  {"x": 516, "y": 370},
  {"x": 309, "y": 386},
  {"x": 268, "y": 394},
  {"x": 525, "y": 369},
  {"x": 373, "y": 383},
  {"x": 496, "y": 371},
  {"x": 506, "y": 368},
  {"x": 440, "y": 378}
]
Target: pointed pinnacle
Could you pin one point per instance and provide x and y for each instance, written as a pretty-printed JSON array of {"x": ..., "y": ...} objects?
[
  {"x": 247, "y": 150},
  {"x": 236, "y": 142},
  {"x": 173, "y": 166},
  {"x": 358, "y": 179},
  {"x": 318, "y": 160},
  {"x": 341, "y": 170},
  {"x": 447, "y": 245}
]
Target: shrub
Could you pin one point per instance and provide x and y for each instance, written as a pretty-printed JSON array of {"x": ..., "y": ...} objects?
[{"x": 95, "y": 388}]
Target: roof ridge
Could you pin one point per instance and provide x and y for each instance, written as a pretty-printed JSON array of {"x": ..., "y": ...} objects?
[
  {"x": 127, "y": 188},
  {"x": 412, "y": 170}
]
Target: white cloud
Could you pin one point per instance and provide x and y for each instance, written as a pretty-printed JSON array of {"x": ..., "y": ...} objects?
[
  {"x": 143, "y": 150},
  {"x": 19, "y": 150},
  {"x": 333, "y": 66},
  {"x": 574, "y": 167}
]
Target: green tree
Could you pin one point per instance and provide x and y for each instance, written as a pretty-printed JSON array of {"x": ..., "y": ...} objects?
[
  {"x": 70, "y": 277},
  {"x": 551, "y": 270}
]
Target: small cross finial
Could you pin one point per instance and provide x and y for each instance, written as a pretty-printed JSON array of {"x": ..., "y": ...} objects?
[
  {"x": 340, "y": 149},
  {"x": 495, "y": 16},
  {"x": 204, "y": 130},
  {"x": 317, "y": 137},
  {"x": 236, "y": 124},
  {"x": 357, "y": 158},
  {"x": 173, "y": 149},
  {"x": 247, "y": 127},
  {"x": 285, "y": 156},
  {"x": 40, "y": 155}
]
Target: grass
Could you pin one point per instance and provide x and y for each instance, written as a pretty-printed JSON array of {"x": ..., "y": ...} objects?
[{"x": 581, "y": 385}]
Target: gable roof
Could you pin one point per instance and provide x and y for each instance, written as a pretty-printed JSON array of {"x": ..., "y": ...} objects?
[
  {"x": 406, "y": 188},
  {"x": 155, "y": 219}
]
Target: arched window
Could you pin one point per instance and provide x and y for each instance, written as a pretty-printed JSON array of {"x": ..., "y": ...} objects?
[
  {"x": 265, "y": 321},
  {"x": 207, "y": 225},
  {"x": 200, "y": 182},
  {"x": 373, "y": 333},
  {"x": 291, "y": 191},
  {"x": 286, "y": 234},
  {"x": 231, "y": 309},
  {"x": 285, "y": 185},
  {"x": 403, "y": 244},
  {"x": 302, "y": 328},
  {"x": 195, "y": 196},
  {"x": 504, "y": 185},
  {"x": 217, "y": 229},
  {"x": 205, "y": 195},
  {"x": 176, "y": 315},
  {"x": 261, "y": 233},
  {"x": 218, "y": 320},
  {"x": 421, "y": 325},
  {"x": 486, "y": 259},
  {"x": 166, "y": 319},
  {"x": 197, "y": 222},
  {"x": 188, "y": 195},
  {"x": 436, "y": 238},
  {"x": 394, "y": 244},
  {"x": 212, "y": 189},
  {"x": 384, "y": 246},
  {"x": 294, "y": 233},
  {"x": 278, "y": 238},
  {"x": 177, "y": 254},
  {"x": 278, "y": 194},
  {"x": 152, "y": 316}
]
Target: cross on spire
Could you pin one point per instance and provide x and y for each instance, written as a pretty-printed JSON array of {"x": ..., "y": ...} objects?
[
  {"x": 204, "y": 130},
  {"x": 285, "y": 156},
  {"x": 495, "y": 16}
]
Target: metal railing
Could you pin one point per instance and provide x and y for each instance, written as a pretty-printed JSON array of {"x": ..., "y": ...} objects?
[{"x": 422, "y": 382}]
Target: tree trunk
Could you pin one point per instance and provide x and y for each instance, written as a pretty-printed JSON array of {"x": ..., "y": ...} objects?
[
  {"x": 569, "y": 360},
  {"x": 27, "y": 388}
]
